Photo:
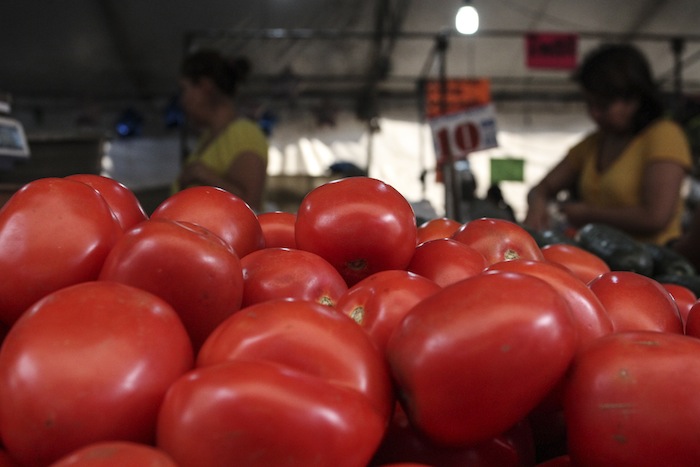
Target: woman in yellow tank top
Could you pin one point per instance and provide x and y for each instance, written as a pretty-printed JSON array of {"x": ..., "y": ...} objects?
[
  {"x": 627, "y": 173},
  {"x": 232, "y": 150}
]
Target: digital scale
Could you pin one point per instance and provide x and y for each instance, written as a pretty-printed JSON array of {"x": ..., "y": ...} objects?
[{"x": 13, "y": 142}]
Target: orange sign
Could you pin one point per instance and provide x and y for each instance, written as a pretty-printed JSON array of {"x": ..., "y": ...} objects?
[{"x": 460, "y": 94}]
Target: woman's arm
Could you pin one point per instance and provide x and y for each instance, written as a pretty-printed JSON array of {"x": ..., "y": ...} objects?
[
  {"x": 245, "y": 177},
  {"x": 660, "y": 193},
  {"x": 562, "y": 177}
]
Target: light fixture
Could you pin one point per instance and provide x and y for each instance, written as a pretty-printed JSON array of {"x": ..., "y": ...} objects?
[{"x": 467, "y": 19}]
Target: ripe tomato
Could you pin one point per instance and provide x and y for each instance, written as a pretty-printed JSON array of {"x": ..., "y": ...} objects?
[
  {"x": 582, "y": 263},
  {"x": 193, "y": 270},
  {"x": 588, "y": 313},
  {"x": 116, "y": 454},
  {"x": 219, "y": 211},
  {"x": 87, "y": 363},
  {"x": 53, "y": 233},
  {"x": 635, "y": 302},
  {"x": 469, "y": 366},
  {"x": 446, "y": 261},
  {"x": 684, "y": 298},
  {"x": 498, "y": 240},
  {"x": 278, "y": 229},
  {"x": 360, "y": 225},
  {"x": 632, "y": 401},
  {"x": 404, "y": 445},
  {"x": 123, "y": 202},
  {"x": 272, "y": 273},
  {"x": 262, "y": 413},
  {"x": 309, "y": 337},
  {"x": 441, "y": 227},
  {"x": 379, "y": 302},
  {"x": 692, "y": 323}
]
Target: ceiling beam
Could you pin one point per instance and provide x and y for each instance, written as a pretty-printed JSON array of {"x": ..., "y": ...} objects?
[{"x": 119, "y": 34}]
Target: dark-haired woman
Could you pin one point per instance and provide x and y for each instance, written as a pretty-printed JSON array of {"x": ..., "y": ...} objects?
[
  {"x": 232, "y": 150},
  {"x": 628, "y": 173}
]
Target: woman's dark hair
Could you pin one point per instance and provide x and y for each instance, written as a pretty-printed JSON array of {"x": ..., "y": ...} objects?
[
  {"x": 225, "y": 73},
  {"x": 613, "y": 71}
]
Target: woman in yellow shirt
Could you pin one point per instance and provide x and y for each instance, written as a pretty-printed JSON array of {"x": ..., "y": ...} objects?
[
  {"x": 627, "y": 173},
  {"x": 232, "y": 150}
]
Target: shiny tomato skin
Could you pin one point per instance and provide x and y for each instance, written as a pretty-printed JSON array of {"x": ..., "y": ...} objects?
[
  {"x": 498, "y": 240},
  {"x": 101, "y": 355},
  {"x": 684, "y": 298},
  {"x": 116, "y": 454},
  {"x": 360, "y": 225},
  {"x": 217, "y": 210},
  {"x": 588, "y": 313},
  {"x": 469, "y": 366},
  {"x": 272, "y": 273},
  {"x": 192, "y": 269},
  {"x": 309, "y": 337},
  {"x": 278, "y": 229},
  {"x": 582, "y": 263},
  {"x": 53, "y": 233},
  {"x": 379, "y": 302},
  {"x": 123, "y": 202},
  {"x": 636, "y": 303},
  {"x": 446, "y": 261},
  {"x": 440, "y": 227},
  {"x": 261, "y": 413},
  {"x": 632, "y": 401}
]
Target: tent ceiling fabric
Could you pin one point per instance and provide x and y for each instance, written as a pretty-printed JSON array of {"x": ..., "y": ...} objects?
[{"x": 131, "y": 49}]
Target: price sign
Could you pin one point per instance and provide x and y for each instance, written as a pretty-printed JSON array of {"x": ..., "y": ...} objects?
[{"x": 456, "y": 135}]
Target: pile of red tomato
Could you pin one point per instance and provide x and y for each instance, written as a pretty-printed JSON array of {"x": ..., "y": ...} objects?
[{"x": 340, "y": 335}]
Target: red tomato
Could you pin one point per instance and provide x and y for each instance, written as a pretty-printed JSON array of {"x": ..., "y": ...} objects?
[
  {"x": 498, "y": 240},
  {"x": 261, "y": 413},
  {"x": 588, "y": 313},
  {"x": 446, "y": 261},
  {"x": 441, "y": 227},
  {"x": 684, "y": 298},
  {"x": 219, "y": 211},
  {"x": 379, "y": 302},
  {"x": 692, "y": 323},
  {"x": 123, "y": 202},
  {"x": 193, "y": 270},
  {"x": 273, "y": 273},
  {"x": 6, "y": 460},
  {"x": 404, "y": 445},
  {"x": 582, "y": 263},
  {"x": 635, "y": 302},
  {"x": 632, "y": 401},
  {"x": 53, "y": 233},
  {"x": 87, "y": 363},
  {"x": 469, "y": 366},
  {"x": 278, "y": 229},
  {"x": 360, "y": 225},
  {"x": 116, "y": 454},
  {"x": 306, "y": 336}
]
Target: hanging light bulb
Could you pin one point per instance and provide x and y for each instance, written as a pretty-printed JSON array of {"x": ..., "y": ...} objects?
[{"x": 467, "y": 19}]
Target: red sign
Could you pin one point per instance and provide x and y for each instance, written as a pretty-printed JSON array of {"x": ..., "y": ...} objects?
[{"x": 551, "y": 50}]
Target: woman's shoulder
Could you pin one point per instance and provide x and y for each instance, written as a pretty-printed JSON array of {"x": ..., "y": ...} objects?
[
  {"x": 663, "y": 127},
  {"x": 245, "y": 129}
]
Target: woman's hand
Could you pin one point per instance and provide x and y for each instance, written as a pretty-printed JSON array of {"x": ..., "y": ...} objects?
[{"x": 196, "y": 173}]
